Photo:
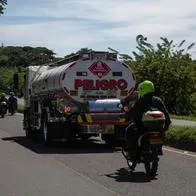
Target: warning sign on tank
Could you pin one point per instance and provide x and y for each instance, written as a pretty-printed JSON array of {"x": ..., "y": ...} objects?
[{"x": 99, "y": 69}]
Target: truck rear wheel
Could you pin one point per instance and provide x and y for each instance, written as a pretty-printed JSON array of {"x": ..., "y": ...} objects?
[
  {"x": 45, "y": 136},
  {"x": 29, "y": 132}
]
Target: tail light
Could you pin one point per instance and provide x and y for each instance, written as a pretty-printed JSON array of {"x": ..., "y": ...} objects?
[
  {"x": 126, "y": 108},
  {"x": 156, "y": 114},
  {"x": 68, "y": 109},
  {"x": 156, "y": 138},
  {"x": 154, "y": 135}
]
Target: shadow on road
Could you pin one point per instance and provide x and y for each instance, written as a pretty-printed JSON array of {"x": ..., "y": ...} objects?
[
  {"x": 74, "y": 147},
  {"x": 124, "y": 175}
]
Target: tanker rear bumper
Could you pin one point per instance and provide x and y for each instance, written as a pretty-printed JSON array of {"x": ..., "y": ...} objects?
[
  {"x": 101, "y": 119},
  {"x": 109, "y": 129},
  {"x": 103, "y": 123}
]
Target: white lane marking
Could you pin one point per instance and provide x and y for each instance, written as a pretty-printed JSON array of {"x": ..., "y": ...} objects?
[{"x": 180, "y": 152}]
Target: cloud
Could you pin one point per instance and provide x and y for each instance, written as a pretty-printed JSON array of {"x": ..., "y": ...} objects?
[
  {"x": 66, "y": 26},
  {"x": 54, "y": 33}
]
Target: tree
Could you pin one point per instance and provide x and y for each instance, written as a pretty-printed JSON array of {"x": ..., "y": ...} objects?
[
  {"x": 13, "y": 60},
  {"x": 2, "y": 6},
  {"x": 15, "y": 56},
  {"x": 16, "y": 80},
  {"x": 171, "y": 69}
]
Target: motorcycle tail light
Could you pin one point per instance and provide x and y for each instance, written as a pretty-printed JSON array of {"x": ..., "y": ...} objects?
[
  {"x": 156, "y": 114},
  {"x": 155, "y": 135},
  {"x": 156, "y": 138},
  {"x": 126, "y": 108}
]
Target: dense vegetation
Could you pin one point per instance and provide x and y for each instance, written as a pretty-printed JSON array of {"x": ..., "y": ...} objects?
[
  {"x": 13, "y": 60},
  {"x": 171, "y": 69},
  {"x": 16, "y": 56}
]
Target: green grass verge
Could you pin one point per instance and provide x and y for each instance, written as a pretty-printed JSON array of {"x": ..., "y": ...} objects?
[
  {"x": 192, "y": 118},
  {"x": 182, "y": 137}
]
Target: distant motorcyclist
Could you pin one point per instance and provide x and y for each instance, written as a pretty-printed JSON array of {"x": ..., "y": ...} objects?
[
  {"x": 145, "y": 101},
  {"x": 13, "y": 102},
  {"x": 3, "y": 104}
]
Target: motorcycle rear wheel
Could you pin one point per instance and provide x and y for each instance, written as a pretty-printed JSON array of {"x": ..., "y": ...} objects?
[{"x": 154, "y": 167}]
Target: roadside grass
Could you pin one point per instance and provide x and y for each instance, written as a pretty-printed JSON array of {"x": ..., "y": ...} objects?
[
  {"x": 191, "y": 118},
  {"x": 182, "y": 137}
]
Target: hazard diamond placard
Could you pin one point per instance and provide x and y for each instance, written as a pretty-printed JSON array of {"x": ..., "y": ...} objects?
[{"x": 99, "y": 69}]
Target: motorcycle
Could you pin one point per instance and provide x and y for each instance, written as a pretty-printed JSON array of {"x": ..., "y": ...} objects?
[
  {"x": 155, "y": 137},
  {"x": 3, "y": 109}
]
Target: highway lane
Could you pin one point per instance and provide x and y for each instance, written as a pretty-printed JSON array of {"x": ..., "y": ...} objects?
[
  {"x": 25, "y": 172},
  {"x": 183, "y": 122},
  {"x": 103, "y": 167}
]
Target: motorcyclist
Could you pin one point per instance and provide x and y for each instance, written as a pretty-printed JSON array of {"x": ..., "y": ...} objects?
[
  {"x": 146, "y": 100},
  {"x": 13, "y": 100}
]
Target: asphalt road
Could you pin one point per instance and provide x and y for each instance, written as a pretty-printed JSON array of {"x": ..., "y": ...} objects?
[
  {"x": 184, "y": 123},
  {"x": 85, "y": 168}
]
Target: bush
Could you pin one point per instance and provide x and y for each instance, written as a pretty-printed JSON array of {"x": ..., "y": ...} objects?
[{"x": 182, "y": 137}]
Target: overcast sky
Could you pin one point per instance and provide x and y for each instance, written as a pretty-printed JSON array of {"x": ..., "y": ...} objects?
[{"x": 65, "y": 26}]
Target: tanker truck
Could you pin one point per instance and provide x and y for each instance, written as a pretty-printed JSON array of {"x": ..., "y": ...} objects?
[{"x": 77, "y": 97}]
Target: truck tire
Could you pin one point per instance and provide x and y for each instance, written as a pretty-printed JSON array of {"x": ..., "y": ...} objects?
[
  {"x": 44, "y": 133},
  {"x": 28, "y": 129}
]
